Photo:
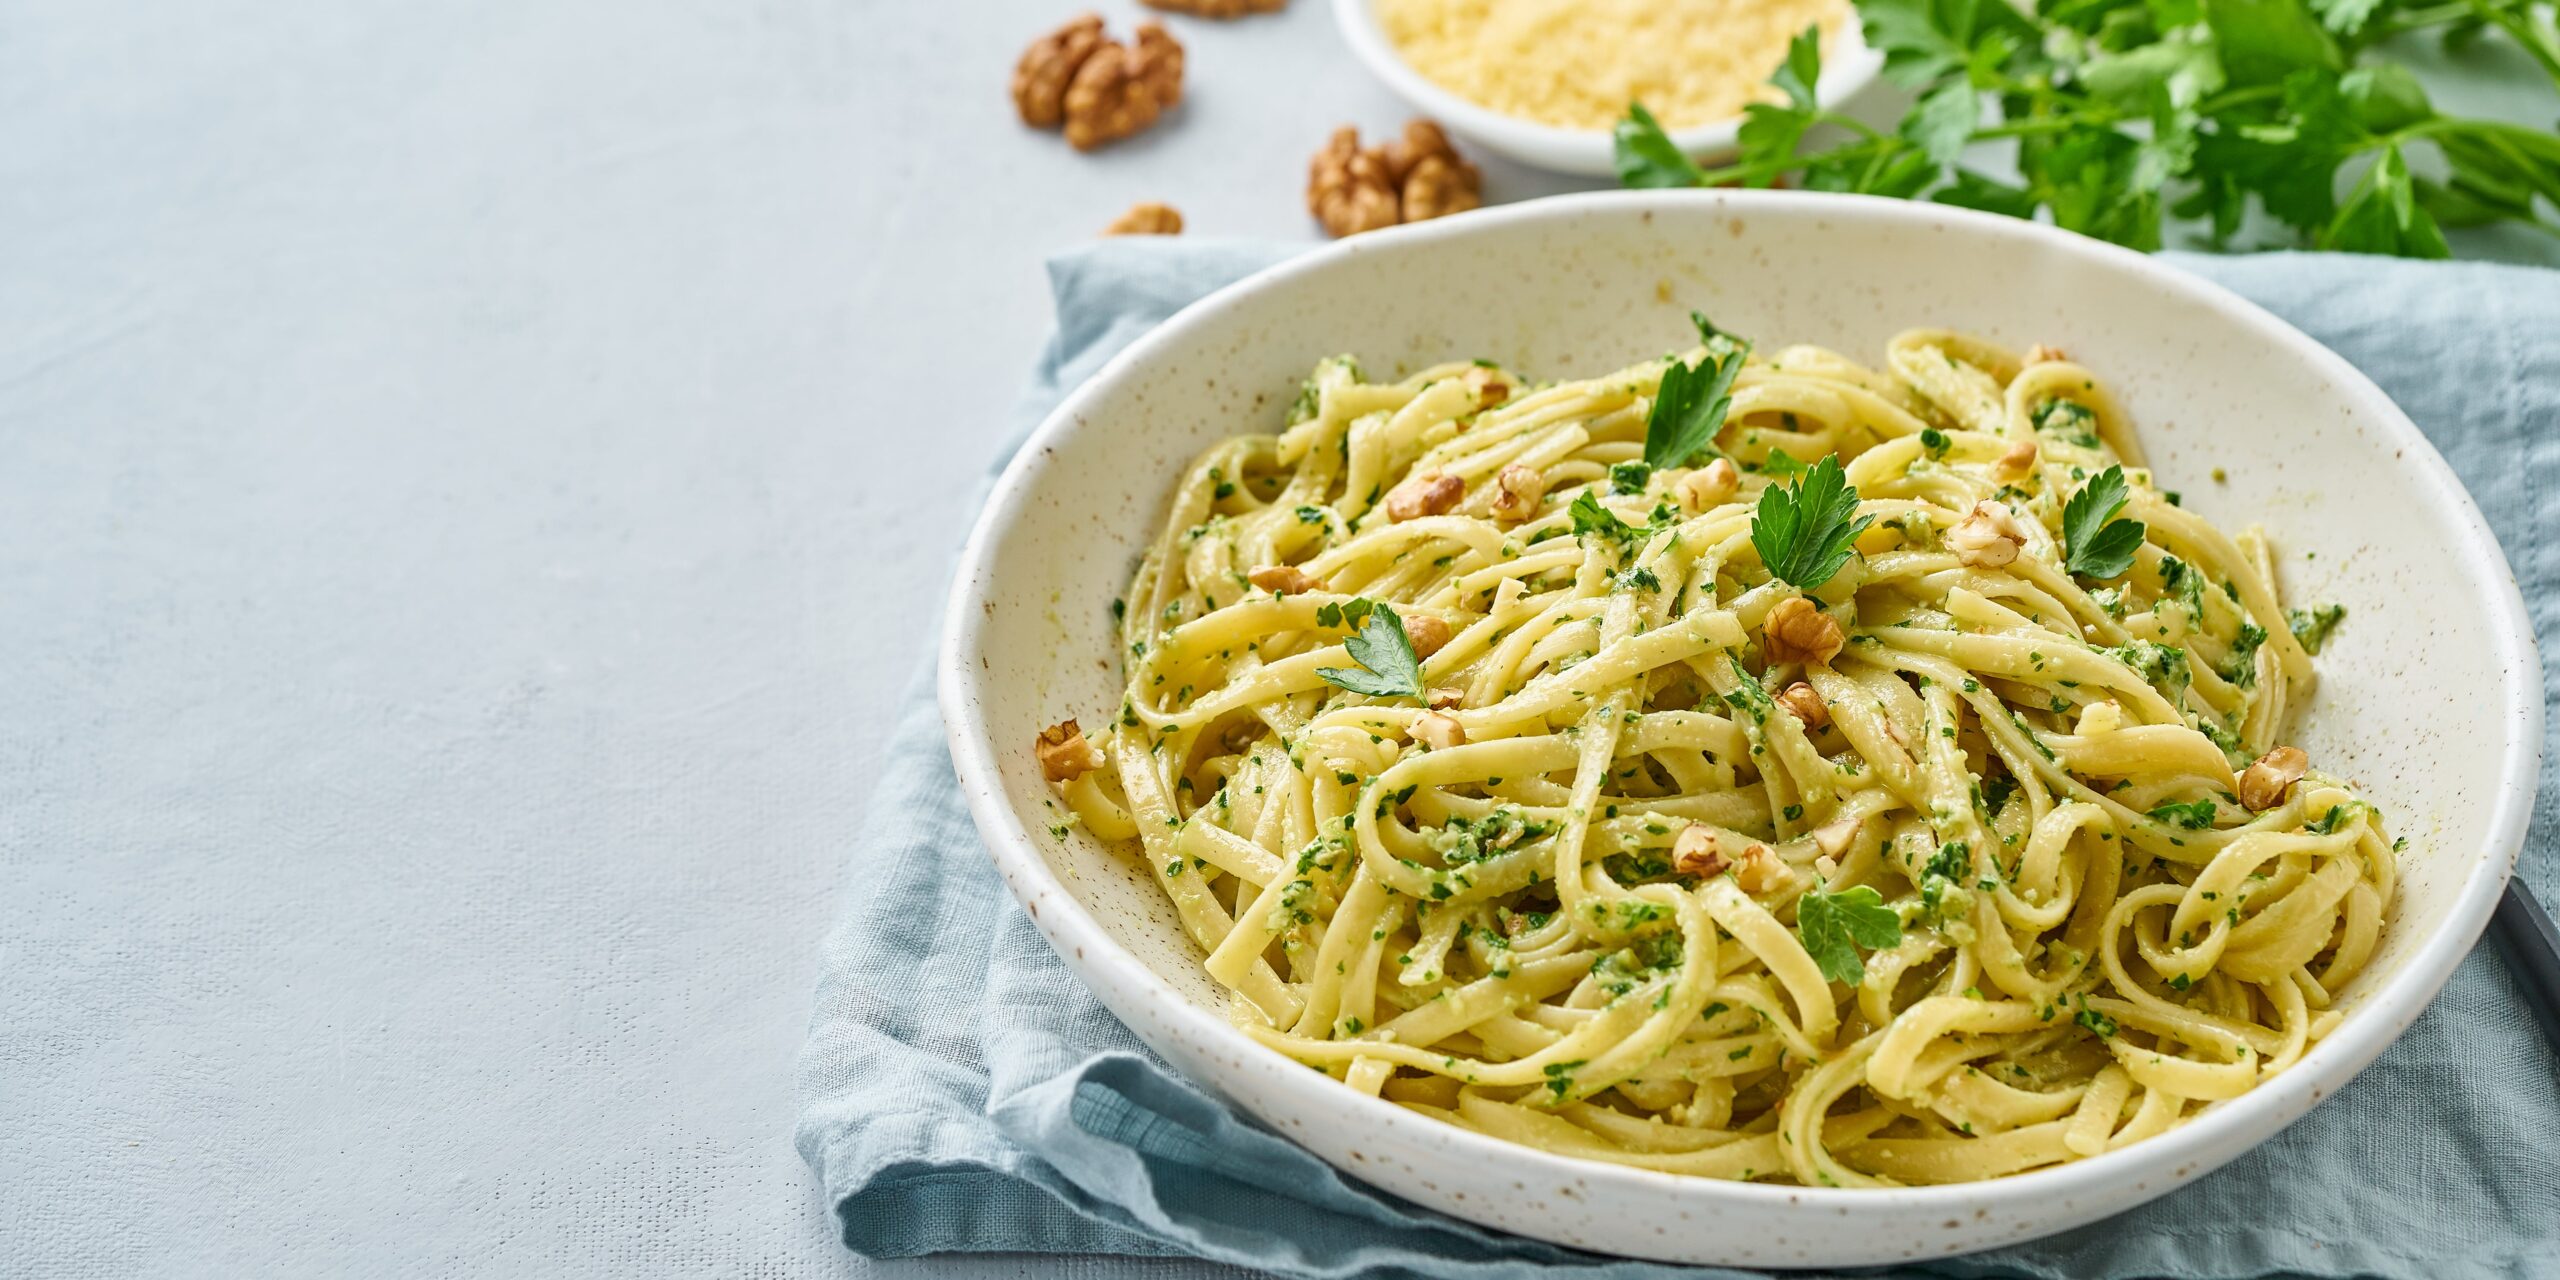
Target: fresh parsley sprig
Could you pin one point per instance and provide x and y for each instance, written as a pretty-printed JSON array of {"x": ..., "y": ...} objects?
[
  {"x": 1689, "y": 407},
  {"x": 1388, "y": 667},
  {"x": 1803, "y": 531},
  {"x": 2099, "y": 545},
  {"x": 1647, "y": 157},
  {"x": 1834, "y": 925},
  {"x": 2133, "y": 115}
]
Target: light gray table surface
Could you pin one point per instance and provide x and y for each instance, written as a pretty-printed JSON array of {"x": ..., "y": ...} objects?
[{"x": 474, "y": 478}]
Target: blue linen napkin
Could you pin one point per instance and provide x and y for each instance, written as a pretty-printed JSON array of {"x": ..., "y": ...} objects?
[{"x": 964, "y": 1093}]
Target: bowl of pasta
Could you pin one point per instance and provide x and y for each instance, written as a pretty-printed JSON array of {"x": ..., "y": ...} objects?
[{"x": 1746, "y": 727}]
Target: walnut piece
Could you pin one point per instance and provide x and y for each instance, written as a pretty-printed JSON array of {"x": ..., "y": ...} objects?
[
  {"x": 1160, "y": 63},
  {"x": 1428, "y": 494},
  {"x": 1418, "y": 176},
  {"x": 1518, "y": 491},
  {"x": 1120, "y": 89},
  {"x": 1437, "y": 731},
  {"x": 1833, "y": 839},
  {"x": 1798, "y": 631},
  {"x": 1491, "y": 388},
  {"x": 2263, "y": 784},
  {"x": 2042, "y": 354},
  {"x": 1040, "y": 79},
  {"x": 1428, "y": 634},
  {"x": 1760, "y": 870},
  {"x": 1989, "y": 538},
  {"x": 1430, "y": 177},
  {"x": 1708, "y": 487},
  {"x": 2016, "y": 461},
  {"x": 1348, "y": 189},
  {"x": 1446, "y": 697},
  {"x": 1284, "y": 579},
  {"x": 1217, "y": 8},
  {"x": 1696, "y": 852},
  {"x": 1807, "y": 705},
  {"x": 1147, "y": 218},
  {"x": 1064, "y": 754}
]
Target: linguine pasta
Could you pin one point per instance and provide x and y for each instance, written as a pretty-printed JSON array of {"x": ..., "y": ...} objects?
[{"x": 1563, "y": 795}]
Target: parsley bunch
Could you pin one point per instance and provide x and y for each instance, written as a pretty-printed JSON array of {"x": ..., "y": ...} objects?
[{"x": 2128, "y": 113}]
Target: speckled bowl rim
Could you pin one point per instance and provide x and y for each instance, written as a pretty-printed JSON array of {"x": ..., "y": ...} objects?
[
  {"x": 1847, "y": 69},
  {"x": 2153, "y": 1166}
]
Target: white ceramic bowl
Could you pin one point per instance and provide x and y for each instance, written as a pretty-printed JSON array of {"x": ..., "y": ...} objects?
[
  {"x": 1848, "y": 67},
  {"x": 2430, "y": 695}
]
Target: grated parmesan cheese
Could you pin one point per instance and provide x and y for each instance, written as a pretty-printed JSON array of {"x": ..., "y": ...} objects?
[{"x": 1578, "y": 63}]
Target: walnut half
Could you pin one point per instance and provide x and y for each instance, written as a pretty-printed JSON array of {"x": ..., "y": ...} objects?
[
  {"x": 1348, "y": 189},
  {"x": 1284, "y": 579},
  {"x": 1429, "y": 494},
  {"x": 1147, "y": 219},
  {"x": 2263, "y": 783},
  {"x": 1988, "y": 538},
  {"x": 1427, "y": 634},
  {"x": 1099, "y": 88},
  {"x": 1518, "y": 491},
  {"x": 1418, "y": 176},
  {"x": 1064, "y": 754},
  {"x": 1438, "y": 732},
  {"x": 1430, "y": 177},
  {"x": 1807, "y": 705},
  {"x": 1121, "y": 89},
  {"x": 1796, "y": 630},
  {"x": 1040, "y": 79},
  {"x": 1708, "y": 487},
  {"x": 1756, "y": 868}
]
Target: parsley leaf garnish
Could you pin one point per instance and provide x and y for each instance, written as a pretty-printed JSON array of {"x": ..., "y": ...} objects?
[
  {"x": 2101, "y": 546},
  {"x": 1689, "y": 408},
  {"x": 1646, "y": 155},
  {"x": 1795, "y": 76},
  {"x": 2195, "y": 816},
  {"x": 1387, "y": 667},
  {"x": 1803, "y": 531},
  {"x": 1835, "y": 925}
]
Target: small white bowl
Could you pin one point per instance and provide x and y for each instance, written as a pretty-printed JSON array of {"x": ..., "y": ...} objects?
[
  {"x": 2450, "y": 749},
  {"x": 1848, "y": 67}
]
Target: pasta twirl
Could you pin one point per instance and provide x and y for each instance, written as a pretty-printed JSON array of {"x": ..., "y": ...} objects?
[{"x": 1561, "y": 796}]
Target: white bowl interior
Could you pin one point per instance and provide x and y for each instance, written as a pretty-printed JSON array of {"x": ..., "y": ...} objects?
[
  {"x": 2361, "y": 509},
  {"x": 1848, "y": 67}
]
